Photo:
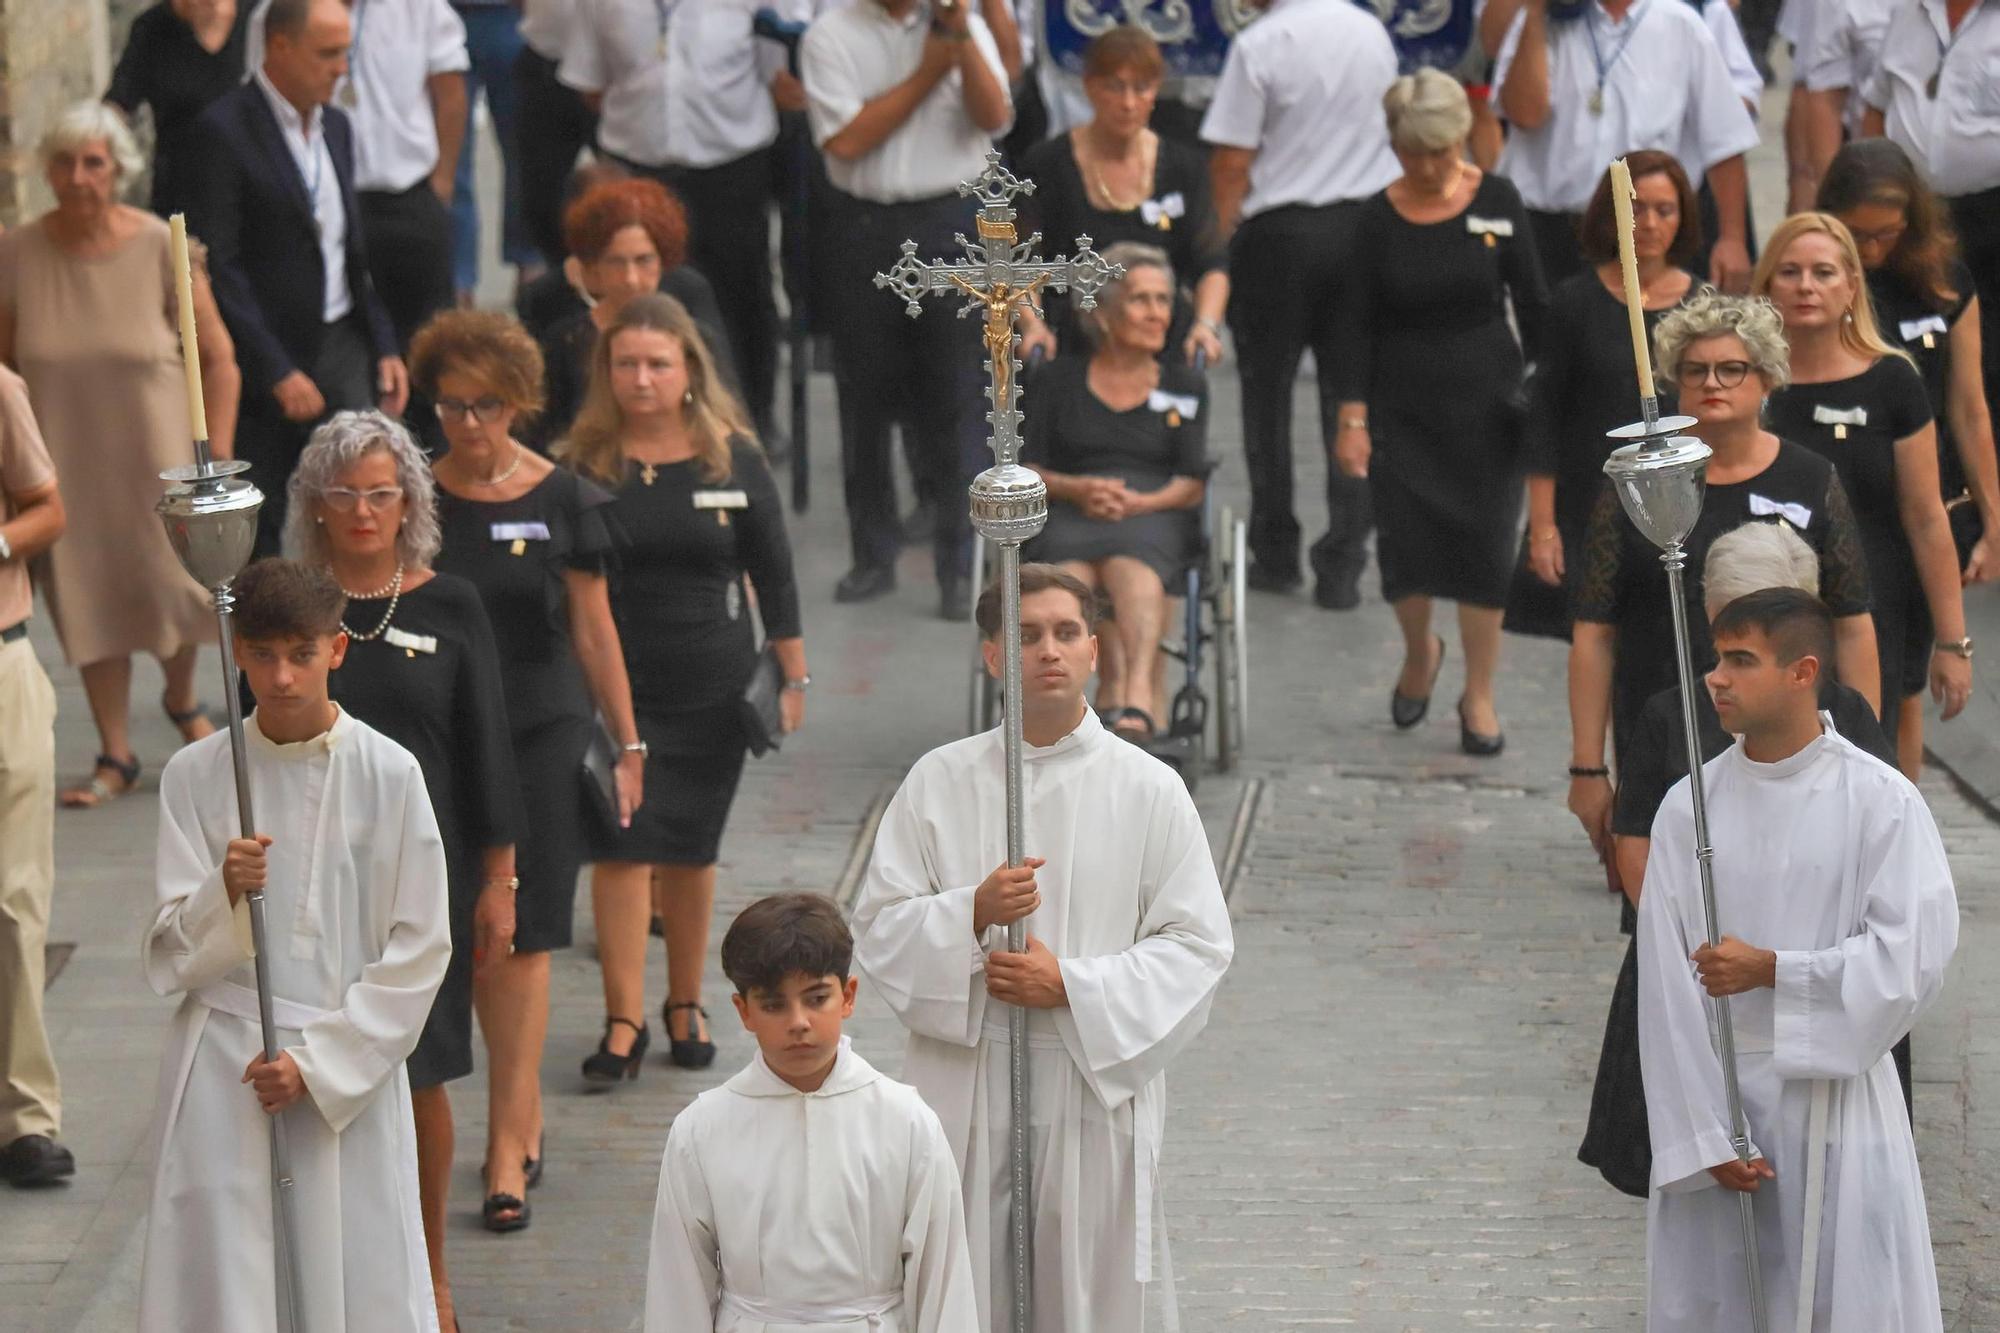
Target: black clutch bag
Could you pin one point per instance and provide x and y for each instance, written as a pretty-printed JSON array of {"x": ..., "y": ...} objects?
[
  {"x": 600, "y": 763},
  {"x": 763, "y": 723}
]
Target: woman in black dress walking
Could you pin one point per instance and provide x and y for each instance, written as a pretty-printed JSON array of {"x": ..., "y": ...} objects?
[
  {"x": 422, "y": 669},
  {"x": 1431, "y": 391},
  {"x": 1858, "y": 402},
  {"x": 1584, "y": 383},
  {"x": 179, "y": 56},
  {"x": 1114, "y": 180},
  {"x": 700, "y": 528},
  {"x": 531, "y": 537}
]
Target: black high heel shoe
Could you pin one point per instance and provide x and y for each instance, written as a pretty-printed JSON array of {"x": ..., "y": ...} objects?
[
  {"x": 1478, "y": 744},
  {"x": 604, "y": 1066},
  {"x": 1406, "y": 712},
  {"x": 691, "y": 1053},
  {"x": 531, "y": 1167}
]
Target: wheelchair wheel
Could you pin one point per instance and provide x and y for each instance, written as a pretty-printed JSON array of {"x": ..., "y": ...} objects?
[{"x": 1231, "y": 639}]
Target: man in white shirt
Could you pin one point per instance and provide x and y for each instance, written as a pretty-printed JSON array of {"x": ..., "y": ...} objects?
[
  {"x": 405, "y": 92},
  {"x": 1299, "y": 143},
  {"x": 1584, "y": 83},
  {"x": 905, "y": 98},
  {"x": 1937, "y": 94},
  {"x": 688, "y": 96},
  {"x": 1837, "y": 67}
]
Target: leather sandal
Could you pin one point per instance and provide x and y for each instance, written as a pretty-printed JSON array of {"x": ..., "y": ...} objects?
[
  {"x": 183, "y": 720},
  {"x": 97, "y": 791}
]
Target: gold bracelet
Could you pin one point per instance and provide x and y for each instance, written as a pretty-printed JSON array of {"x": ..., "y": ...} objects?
[
  {"x": 1354, "y": 423},
  {"x": 1537, "y": 538},
  {"x": 512, "y": 883}
]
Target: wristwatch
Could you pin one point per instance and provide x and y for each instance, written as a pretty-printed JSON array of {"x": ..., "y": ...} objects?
[
  {"x": 799, "y": 685},
  {"x": 1957, "y": 647},
  {"x": 635, "y": 747}
]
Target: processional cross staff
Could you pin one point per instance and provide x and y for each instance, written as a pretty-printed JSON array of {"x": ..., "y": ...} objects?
[
  {"x": 1660, "y": 477},
  {"x": 1010, "y": 504},
  {"x": 211, "y": 518}
]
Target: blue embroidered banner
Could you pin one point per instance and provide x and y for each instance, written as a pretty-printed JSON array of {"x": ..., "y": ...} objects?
[{"x": 1195, "y": 34}]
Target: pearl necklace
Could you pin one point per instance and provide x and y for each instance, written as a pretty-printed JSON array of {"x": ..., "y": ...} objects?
[{"x": 393, "y": 590}]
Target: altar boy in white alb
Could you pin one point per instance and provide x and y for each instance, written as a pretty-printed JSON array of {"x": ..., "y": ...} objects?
[
  {"x": 353, "y": 873},
  {"x": 807, "y": 1192},
  {"x": 1837, "y": 917},
  {"x": 1128, "y": 937}
]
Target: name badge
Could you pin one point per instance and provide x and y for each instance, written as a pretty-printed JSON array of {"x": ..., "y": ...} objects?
[
  {"x": 1840, "y": 416},
  {"x": 1797, "y": 515},
  {"x": 1914, "y": 329},
  {"x": 1162, "y": 211},
  {"x": 1177, "y": 406},
  {"x": 520, "y": 532},
  {"x": 416, "y": 643},
  {"x": 1479, "y": 226},
  {"x": 721, "y": 500}
]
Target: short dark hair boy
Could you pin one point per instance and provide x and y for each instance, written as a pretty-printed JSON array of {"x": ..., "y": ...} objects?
[
  {"x": 287, "y": 599},
  {"x": 787, "y": 934},
  {"x": 1034, "y": 578}
]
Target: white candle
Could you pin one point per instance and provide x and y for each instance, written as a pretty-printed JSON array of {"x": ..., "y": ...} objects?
[
  {"x": 190, "y": 351},
  {"x": 1628, "y": 260}
]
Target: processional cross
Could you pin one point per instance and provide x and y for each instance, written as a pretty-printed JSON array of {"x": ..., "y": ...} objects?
[{"x": 999, "y": 276}]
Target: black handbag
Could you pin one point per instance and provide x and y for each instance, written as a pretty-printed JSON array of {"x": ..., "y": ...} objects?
[
  {"x": 763, "y": 719},
  {"x": 598, "y": 774}
]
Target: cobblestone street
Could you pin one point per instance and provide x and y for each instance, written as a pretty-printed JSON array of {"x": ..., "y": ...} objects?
[{"x": 1377, "y": 1130}]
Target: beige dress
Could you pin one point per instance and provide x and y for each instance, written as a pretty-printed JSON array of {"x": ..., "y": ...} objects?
[{"x": 98, "y": 344}]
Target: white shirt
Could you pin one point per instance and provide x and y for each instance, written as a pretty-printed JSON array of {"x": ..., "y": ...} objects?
[
  {"x": 1728, "y": 33},
  {"x": 1829, "y": 858},
  {"x": 545, "y": 26},
  {"x": 685, "y": 83},
  {"x": 1303, "y": 87},
  {"x": 1666, "y": 87},
  {"x": 307, "y": 142},
  {"x": 1954, "y": 138},
  {"x": 398, "y": 45},
  {"x": 857, "y": 52},
  {"x": 1846, "y": 50}
]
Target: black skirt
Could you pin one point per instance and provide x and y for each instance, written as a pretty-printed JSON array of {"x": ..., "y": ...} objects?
[
  {"x": 1618, "y": 1140},
  {"x": 693, "y": 765}
]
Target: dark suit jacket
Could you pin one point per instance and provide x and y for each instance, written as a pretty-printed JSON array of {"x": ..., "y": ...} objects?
[{"x": 248, "y": 203}]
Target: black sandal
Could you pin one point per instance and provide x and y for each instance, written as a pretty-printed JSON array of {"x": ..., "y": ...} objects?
[
  {"x": 186, "y": 719},
  {"x": 97, "y": 792},
  {"x": 690, "y": 1053},
  {"x": 1144, "y": 732},
  {"x": 604, "y": 1066},
  {"x": 532, "y": 1166},
  {"x": 497, "y": 1204}
]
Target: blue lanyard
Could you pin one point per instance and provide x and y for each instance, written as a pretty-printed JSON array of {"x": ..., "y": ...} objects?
[{"x": 1596, "y": 54}]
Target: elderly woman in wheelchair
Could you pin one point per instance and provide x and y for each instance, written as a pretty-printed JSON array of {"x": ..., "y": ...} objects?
[{"x": 1120, "y": 437}]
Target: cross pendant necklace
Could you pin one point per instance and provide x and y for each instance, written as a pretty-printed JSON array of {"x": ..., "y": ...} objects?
[{"x": 647, "y": 472}]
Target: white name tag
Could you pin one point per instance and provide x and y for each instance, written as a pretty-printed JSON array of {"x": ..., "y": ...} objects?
[
  {"x": 1489, "y": 226},
  {"x": 1840, "y": 416},
  {"x": 520, "y": 532},
  {"x": 1161, "y": 401},
  {"x": 1168, "y": 206},
  {"x": 1797, "y": 515},
  {"x": 1914, "y": 329},
  {"x": 416, "y": 643},
  {"x": 721, "y": 500}
]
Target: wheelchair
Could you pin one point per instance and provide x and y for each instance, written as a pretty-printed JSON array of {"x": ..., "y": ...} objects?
[{"x": 1206, "y": 718}]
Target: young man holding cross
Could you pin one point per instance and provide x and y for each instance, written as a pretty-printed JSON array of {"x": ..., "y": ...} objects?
[{"x": 1128, "y": 938}]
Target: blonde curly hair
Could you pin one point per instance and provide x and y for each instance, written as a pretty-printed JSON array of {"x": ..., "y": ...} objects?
[{"x": 1710, "y": 314}]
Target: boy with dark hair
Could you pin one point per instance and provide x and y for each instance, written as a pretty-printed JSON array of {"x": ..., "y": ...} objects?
[
  {"x": 1838, "y": 918},
  {"x": 846, "y": 1211},
  {"x": 352, "y": 870}
]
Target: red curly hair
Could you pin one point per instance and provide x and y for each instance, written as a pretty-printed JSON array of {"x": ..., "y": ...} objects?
[{"x": 603, "y": 211}]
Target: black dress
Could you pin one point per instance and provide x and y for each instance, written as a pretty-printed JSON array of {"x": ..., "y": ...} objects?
[
  {"x": 568, "y": 339},
  {"x": 164, "y": 67},
  {"x": 684, "y": 546},
  {"x": 1583, "y": 386},
  {"x": 431, "y": 683},
  {"x": 1620, "y": 581},
  {"x": 1072, "y": 431},
  {"x": 1880, "y": 406},
  {"x": 1426, "y": 343},
  {"x": 1921, "y": 323},
  {"x": 1617, "y": 1141},
  {"x": 1179, "y": 218},
  {"x": 516, "y": 553}
]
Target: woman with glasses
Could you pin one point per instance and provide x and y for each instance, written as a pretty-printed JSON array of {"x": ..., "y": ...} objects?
[
  {"x": 421, "y": 668},
  {"x": 532, "y": 538},
  {"x": 1114, "y": 180},
  {"x": 1860, "y": 403},
  {"x": 1725, "y": 354}
]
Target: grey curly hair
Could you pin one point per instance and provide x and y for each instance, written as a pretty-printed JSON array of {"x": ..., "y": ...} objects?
[
  {"x": 343, "y": 441},
  {"x": 1708, "y": 313},
  {"x": 1130, "y": 256}
]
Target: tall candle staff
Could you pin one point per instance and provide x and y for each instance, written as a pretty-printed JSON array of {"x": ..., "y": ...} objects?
[
  {"x": 211, "y": 518},
  {"x": 1660, "y": 477}
]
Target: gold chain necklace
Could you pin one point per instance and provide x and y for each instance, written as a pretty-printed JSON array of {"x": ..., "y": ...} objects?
[{"x": 1104, "y": 191}]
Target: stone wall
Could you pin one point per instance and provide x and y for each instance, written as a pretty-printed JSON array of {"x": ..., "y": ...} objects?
[{"x": 52, "y": 53}]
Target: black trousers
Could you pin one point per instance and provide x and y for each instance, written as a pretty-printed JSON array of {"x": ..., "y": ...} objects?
[
  {"x": 729, "y": 219},
  {"x": 1288, "y": 274},
  {"x": 409, "y": 254},
  {"x": 926, "y": 373},
  {"x": 344, "y": 371},
  {"x": 1977, "y": 217},
  {"x": 1556, "y": 243},
  {"x": 554, "y": 127}
]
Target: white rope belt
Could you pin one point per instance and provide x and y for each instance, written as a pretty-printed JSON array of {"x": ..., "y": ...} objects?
[
  {"x": 241, "y": 1002},
  {"x": 870, "y": 1308}
]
